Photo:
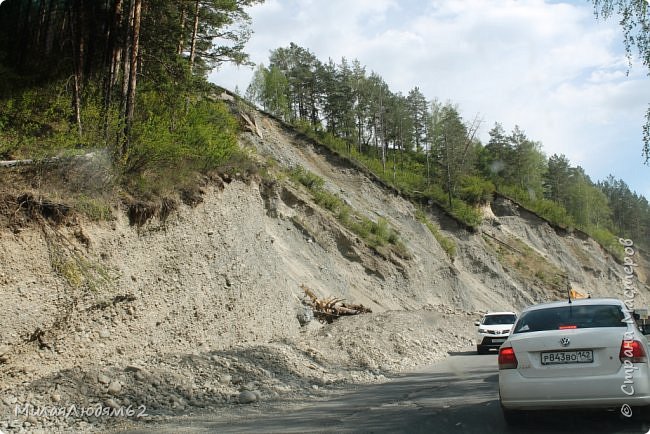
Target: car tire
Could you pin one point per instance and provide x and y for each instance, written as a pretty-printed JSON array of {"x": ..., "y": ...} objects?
[{"x": 480, "y": 350}]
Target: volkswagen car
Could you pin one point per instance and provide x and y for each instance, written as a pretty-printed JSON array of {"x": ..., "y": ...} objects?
[
  {"x": 493, "y": 330},
  {"x": 574, "y": 354}
]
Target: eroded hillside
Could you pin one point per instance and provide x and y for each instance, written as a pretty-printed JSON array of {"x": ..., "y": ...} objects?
[
  {"x": 514, "y": 259},
  {"x": 200, "y": 311}
]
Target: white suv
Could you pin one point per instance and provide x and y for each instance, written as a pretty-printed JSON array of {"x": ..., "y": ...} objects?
[{"x": 493, "y": 330}]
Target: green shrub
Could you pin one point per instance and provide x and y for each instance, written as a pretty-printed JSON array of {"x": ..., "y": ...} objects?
[
  {"x": 475, "y": 190},
  {"x": 381, "y": 229},
  {"x": 608, "y": 240},
  {"x": 307, "y": 178},
  {"x": 39, "y": 122},
  {"x": 549, "y": 210},
  {"x": 465, "y": 213},
  {"x": 95, "y": 209},
  {"x": 447, "y": 244},
  {"x": 344, "y": 215},
  {"x": 166, "y": 151},
  {"x": 328, "y": 200}
]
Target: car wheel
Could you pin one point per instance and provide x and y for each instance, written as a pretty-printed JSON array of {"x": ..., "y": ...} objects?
[{"x": 480, "y": 350}]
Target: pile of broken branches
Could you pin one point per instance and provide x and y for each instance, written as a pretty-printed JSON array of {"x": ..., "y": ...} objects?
[{"x": 329, "y": 309}]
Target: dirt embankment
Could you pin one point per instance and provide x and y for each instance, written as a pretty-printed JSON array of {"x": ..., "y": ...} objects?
[{"x": 202, "y": 310}]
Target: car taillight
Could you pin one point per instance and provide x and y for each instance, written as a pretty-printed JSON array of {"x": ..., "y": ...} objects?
[
  {"x": 507, "y": 358},
  {"x": 632, "y": 351}
]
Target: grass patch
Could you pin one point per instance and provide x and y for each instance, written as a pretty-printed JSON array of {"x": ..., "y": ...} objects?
[
  {"x": 78, "y": 271},
  {"x": 375, "y": 234},
  {"x": 447, "y": 244},
  {"x": 96, "y": 209}
]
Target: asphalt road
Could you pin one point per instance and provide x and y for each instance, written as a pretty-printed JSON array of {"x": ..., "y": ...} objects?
[{"x": 459, "y": 395}]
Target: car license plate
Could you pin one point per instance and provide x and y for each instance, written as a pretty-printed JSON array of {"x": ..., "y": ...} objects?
[
  {"x": 498, "y": 341},
  {"x": 561, "y": 357}
]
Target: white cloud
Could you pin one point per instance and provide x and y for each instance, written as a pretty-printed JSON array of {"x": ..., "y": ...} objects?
[{"x": 549, "y": 67}]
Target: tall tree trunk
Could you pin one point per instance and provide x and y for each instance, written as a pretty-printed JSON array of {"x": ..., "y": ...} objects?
[
  {"x": 112, "y": 61},
  {"x": 76, "y": 28},
  {"x": 428, "y": 151},
  {"x": 24, "y": 36},
  {"x": 42, "y": 24},
  {"x": 133, "y": 73},
  {"x": 126, "y": 52},
  {"x": 195, "y": 32},
  {"x": 448, "y": 169},
  {"x": 181, "y": 39},
  {"x": 49, "y": 29}
]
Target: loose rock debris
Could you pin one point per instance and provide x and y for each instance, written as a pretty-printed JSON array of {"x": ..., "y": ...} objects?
[{"x": 331, "y": 308}]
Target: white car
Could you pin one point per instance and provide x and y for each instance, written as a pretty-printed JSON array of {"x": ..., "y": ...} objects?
[
  {"x": 581, "y": 354},
  {"x": 493, "y": 330}
]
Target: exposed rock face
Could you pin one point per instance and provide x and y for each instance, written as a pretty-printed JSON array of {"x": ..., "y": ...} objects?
[{"x": 197, "y": 309}]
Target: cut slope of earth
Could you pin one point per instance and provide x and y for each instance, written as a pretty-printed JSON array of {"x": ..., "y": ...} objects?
[{"x": 191, "y": 313}]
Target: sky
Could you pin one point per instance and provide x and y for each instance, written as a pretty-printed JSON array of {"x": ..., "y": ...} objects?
[{"x": 548, "y": 66}]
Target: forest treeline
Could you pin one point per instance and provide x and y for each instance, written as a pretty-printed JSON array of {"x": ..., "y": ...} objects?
[
  {"x": 426, "y": 148},
  {"x": 130, "y": 76},
  {"x": 125, "y": 75}
]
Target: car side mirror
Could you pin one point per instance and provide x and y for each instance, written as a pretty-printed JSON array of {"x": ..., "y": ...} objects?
[{"x": 477, "y": 323}]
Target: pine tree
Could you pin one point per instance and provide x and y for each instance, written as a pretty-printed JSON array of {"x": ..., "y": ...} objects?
[
  {"x": 557, "y": 179},
  {"x": 418, "y": 113}
]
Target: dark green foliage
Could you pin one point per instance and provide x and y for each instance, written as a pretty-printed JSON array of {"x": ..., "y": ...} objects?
[
  {"x": 36, "y": 123},
  {"x": 168, "y": 147},
  {"x": 306, "y": 178},
  {"x": 557, "y": 179},
  {"x": 476, "y": 190},
  {"x": 69, "y": 71},
  {"x": 630, "y": 211},
  {"x": 358, "y": 116},
  {"x": 90, "y": 61},
  {"x": 551, "y": 211},
  {"x": 513, "y": 160}
]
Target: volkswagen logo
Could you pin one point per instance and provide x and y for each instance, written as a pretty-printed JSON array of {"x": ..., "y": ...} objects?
[{"x": 565, "y": 342}]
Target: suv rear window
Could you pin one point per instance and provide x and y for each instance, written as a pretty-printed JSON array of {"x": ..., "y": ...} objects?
[
  {"x": 499, "y": 319},
  {"x": 571, "y": 317}
]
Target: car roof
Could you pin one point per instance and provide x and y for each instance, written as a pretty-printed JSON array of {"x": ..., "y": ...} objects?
[
  {"x": 500, "y": 313},
  {"x": 578, "y": 302}
]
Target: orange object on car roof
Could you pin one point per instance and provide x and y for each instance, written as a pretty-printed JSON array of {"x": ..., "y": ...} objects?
[{"x": 577, "y": 294}]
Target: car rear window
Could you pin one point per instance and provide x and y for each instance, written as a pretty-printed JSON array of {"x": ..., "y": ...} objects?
[
  {"x": 499, "y": 319},
  {"x": 571, "y": 317}
]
